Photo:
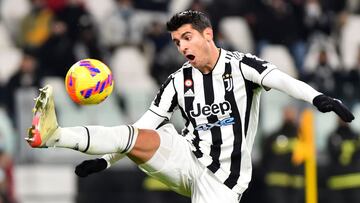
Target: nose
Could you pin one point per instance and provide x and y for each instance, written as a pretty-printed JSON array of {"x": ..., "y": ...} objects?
[{"x": 183, "y": 47}]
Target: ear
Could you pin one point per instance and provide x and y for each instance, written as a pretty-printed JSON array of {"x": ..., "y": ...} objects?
[{"x": 208, "y": 34}]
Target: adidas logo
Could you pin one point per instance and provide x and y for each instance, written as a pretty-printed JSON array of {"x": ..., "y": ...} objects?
[{"x": 189, "y": 93}]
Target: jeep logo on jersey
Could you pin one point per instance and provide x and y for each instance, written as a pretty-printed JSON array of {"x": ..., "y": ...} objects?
[
  {"x": 223, "y": 122},
  {"x": 212, "y": 109}
]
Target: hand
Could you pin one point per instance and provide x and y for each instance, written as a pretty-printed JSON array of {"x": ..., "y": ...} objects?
[
  {"x": 325, "y": 104},
  {"x": 90, "y": 166}
]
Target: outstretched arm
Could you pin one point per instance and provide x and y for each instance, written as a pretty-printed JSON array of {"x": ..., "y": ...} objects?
[{"x": 300, "y": 90}]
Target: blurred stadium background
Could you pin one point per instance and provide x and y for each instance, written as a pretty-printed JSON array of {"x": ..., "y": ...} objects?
[{"x": 317, "y": 41}]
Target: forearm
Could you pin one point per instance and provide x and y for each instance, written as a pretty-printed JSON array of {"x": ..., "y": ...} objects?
[
  {"x": 291, "y": 86},
  {"x": 112, "y": 158},
  {"x": 297, "y": 89}
]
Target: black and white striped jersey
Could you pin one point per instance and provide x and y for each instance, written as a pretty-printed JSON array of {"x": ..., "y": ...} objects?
[{"x": 221, "y": 112}]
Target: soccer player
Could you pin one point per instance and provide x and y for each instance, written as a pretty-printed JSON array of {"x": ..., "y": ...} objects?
[{"x": 218, "y": 94}]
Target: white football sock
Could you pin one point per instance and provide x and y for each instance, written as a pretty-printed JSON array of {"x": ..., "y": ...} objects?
[{"x": 95, "y": 139}]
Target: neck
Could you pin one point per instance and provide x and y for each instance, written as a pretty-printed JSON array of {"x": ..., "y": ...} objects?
[{"x": 213, "y": 56}]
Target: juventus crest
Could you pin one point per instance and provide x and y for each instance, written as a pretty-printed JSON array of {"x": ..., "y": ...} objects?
[{"x": 228, "y": 82}]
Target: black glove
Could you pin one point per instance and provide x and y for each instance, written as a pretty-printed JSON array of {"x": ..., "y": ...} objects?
[
  {"x": 90, "y": 166},
  {"x": 325, "y": 104}
]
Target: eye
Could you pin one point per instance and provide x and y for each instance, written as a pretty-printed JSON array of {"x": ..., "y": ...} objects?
[{"x": 187, "y": 37}]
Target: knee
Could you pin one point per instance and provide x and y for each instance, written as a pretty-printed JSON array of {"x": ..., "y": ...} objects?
[{"x": 147, "y": 143}]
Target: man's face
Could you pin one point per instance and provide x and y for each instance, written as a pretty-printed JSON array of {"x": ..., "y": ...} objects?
[{"x": 193, "y": 45}]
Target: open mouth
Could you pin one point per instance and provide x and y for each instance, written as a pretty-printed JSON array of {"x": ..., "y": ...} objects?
[{"x": 190, "y": 57}]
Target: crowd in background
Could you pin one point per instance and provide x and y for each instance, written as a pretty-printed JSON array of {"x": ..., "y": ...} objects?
[
  {"x": 43, "y": 38},
  {"x": 53, "y": 34}
]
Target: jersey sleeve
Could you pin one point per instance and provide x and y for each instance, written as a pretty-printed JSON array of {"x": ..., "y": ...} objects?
[
  {"x": 165, "y": 101},
  {"x": 255, "y": 69},
  {"x": 281, "y": 81},
  {"x": 112, "y": 158},
  {"x": 149, "y": 120}
]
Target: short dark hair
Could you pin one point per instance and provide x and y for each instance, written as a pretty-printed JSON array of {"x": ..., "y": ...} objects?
[{"x": 198, "y": 20}]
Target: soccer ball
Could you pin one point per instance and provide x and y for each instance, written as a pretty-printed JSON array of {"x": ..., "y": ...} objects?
[{"x": 89, "y": 81}]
